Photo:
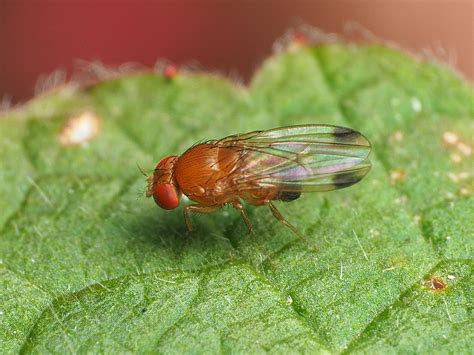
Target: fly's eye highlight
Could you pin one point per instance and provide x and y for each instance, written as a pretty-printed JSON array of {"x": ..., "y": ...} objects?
[{"x": 166, "y": 196}]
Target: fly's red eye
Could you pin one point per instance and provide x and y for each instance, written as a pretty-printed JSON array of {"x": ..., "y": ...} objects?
[{"x": 166, "y": 196}]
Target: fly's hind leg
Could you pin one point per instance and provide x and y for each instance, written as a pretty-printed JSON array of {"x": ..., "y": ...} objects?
[
  {"x": 197, "y": 209},
  {"x": 282, "y": 220},
  {"x": 237, "y": 205}
]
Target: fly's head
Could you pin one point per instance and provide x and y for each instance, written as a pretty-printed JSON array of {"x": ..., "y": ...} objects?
[{"x": 162, "y": 186}]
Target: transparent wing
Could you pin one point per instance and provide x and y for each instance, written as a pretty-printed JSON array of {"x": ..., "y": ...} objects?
[{"x": 301, "y": 158}]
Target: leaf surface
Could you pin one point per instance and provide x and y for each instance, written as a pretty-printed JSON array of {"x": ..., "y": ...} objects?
[{"x": 88, "y": 265}]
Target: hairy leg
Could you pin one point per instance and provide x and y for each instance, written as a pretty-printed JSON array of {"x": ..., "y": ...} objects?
[
  {"x": 282, "y": 220},
  {"x": 197, "y": 209},
  {"x": 237, "y": 205}
]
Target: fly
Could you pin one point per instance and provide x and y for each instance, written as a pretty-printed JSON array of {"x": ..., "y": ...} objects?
[{"x": 261, "y": 167}]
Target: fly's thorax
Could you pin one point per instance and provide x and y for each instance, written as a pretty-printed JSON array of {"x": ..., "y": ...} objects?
[{"x": 204, "y": 173}]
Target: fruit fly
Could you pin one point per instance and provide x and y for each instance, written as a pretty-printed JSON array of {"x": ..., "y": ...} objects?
[{"x": 260, "y": 167}]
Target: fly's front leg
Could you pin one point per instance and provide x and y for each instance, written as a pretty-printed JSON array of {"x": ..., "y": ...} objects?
[
  {"x": 197, "y": 209},
  {"x": 282, "y": 219},
  {"x": 237, "y": 205}
]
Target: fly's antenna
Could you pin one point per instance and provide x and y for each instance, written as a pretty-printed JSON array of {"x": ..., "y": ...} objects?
[
  {"x": 149, "y": 179},
  {"x": 141, "y": 170},
  {"x": 140, "y": 194}
]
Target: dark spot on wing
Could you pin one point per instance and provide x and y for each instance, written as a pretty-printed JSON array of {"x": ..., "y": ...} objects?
[
  {"x": 346, "y": 179},
  {"x": 342, "y": 130},
  {"x": 288, "y": 196},
  {"x": 345, "y": 135}
]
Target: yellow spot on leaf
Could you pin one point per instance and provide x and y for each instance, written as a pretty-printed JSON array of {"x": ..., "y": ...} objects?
[
  {"x": 374, "y": 233},
  {"x": 416, "y": 104},
  {"x": 398, "y": 136},
  {"x": 463, "y": 175},
  {"x": 464, "y": 148},
  {"x": 417, "y": 219},
  {"x": 459, "y": 176},
  {"x": 80, "y": 129},
  {"x": 397, "y": 176},
  {"x": 456, "y": 158},
  {"x": 450, "y": 138},
  {"x": 453, "y": 177},
  {"x": 450, "y": 196}
]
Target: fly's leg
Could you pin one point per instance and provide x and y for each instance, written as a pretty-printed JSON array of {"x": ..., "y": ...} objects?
[
  {"x": 237, "y": 205},
  {"x": 282, "y": 220},
  {"x": 197, "y": 209}
]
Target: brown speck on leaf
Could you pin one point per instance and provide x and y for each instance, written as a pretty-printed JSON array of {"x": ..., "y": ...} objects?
[
  {"x": 435, "y": 283},
  {"x": 79, "y": 129},
  {"x": 397, "y": 176}
]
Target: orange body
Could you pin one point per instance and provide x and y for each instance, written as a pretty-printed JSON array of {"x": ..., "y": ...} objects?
[{"x": 208, "y": 174}]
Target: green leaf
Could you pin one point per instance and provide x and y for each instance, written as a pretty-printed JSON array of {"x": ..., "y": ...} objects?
[{"x": 86, "y": 265}]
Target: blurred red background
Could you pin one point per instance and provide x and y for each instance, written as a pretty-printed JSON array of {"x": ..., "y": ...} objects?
[{"x": 40, "y": 36}]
